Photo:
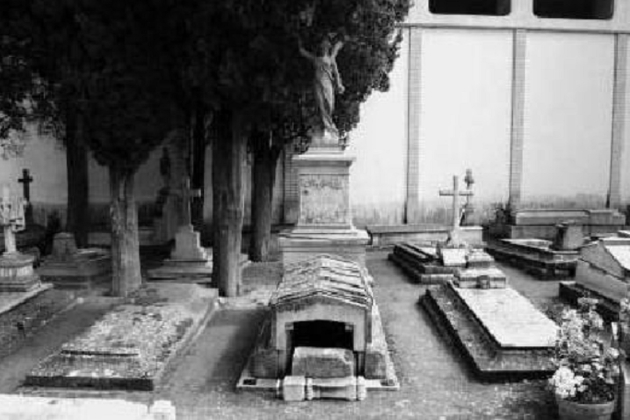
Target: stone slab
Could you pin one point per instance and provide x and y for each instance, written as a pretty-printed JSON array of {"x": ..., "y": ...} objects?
[
  {"x": 489, "y": 362},
  {"x": 385, "y": 236},
  {"x": 37, "y": 408},
  {"x": 315, "y": 362},
  {"x": 453, "y": 257},
  {"x": 131, "y": 346},
  {"x": 535, "y": 256},
  {"x": 510, "y": 318},
  {"x": 481, "y": 278}
]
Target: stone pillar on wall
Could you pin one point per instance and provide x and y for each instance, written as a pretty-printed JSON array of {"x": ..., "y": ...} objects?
[
  {"x": 518, "y": 122},
  {"x": 618, "y": 120},
  {"x": 412, "y": 199}
]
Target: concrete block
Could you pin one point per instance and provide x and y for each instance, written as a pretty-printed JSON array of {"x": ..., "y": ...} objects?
[
  {"x": 335, "y": 388},
  {"x": 294, "y": 388},
  {"x": 315, "y": 362}
]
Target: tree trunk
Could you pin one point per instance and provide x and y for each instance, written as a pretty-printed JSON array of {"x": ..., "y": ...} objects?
[
  {"x": 228, "y": 151},
  {"x": 126, "y": 275},
  {"x": 198, "y": 163},
  {"x": 263, "y": 179},
  {"x": 77, "y": 220}
]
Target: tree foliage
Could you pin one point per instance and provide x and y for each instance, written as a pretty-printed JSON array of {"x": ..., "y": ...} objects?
[{"x": 17, "y": 80}]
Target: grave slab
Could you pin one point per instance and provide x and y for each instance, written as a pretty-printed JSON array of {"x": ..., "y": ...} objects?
[
  {"x": 511, "y": 319},
  {"x": 535, "y": 256},
  {"x": 131, "y": 346},
  {"x": 495, "y": 354}
]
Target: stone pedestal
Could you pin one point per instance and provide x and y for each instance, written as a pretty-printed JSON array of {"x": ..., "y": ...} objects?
[
  {"x": 16, "y": 272},
  {"x": 189, "y": 260},
  {"x": 325, "y": 218},
  {"x": 70, "y": 267}
]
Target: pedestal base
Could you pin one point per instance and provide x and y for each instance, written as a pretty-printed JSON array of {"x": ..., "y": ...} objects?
[
  {"x": 16, "y": 273},
  {"x": 302, "y": 244}
]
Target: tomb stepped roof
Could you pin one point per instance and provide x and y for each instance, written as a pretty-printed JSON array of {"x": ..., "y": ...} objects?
[{"x": 324, "y": 277}]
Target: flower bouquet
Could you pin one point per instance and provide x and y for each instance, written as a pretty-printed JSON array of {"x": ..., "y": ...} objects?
[{"x": 587, "y": 366}]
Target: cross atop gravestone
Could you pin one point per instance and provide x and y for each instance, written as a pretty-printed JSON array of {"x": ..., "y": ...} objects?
[
  {"x": 456, "y": 194},
  {"x": 187, "y": 196},
  {"x": 26, "y": 193},
  {"x": 11, "y": 218}
]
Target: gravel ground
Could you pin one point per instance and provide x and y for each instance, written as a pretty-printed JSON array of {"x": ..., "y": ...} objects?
[{"x": 435, "y": 381}]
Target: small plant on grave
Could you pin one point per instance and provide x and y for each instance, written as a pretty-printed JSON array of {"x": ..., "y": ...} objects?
[{"x": 587, "y": 365}]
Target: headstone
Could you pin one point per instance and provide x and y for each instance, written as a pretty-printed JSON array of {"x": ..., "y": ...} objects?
[
  {"x": 16, "y": 269},
  {"x": 170, "y": 195},
  {"x": 26, "y": 193},
  {"x": 189, "y": 260}
]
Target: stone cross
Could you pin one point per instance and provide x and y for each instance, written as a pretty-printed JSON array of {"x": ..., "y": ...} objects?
[
  {"x": 11, "y": 218},
  {"x": 188, "y": 195},
  {"x": 455, "y": 193},
  {"x": 26, "y": 193}
]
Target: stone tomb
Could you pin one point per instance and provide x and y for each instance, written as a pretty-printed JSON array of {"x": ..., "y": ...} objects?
[
  {"x": 541, "y": 223},
  {"x": 431, "y": 264},
  {"x": 499, "y": 331},
  {"x": 323, "y": 336},
  {"x": 603, "y": 270},
  {"x": 70, "y": 267},
  {"x": 537, "y": 256}
]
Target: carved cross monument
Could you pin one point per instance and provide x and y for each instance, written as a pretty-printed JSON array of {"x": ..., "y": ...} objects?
[
  {"x": 456, "y": 194},
  {"x": 26, "y": 193},
  {"x": 11, "y": 218},
  {"x": 187, "y": 196}
]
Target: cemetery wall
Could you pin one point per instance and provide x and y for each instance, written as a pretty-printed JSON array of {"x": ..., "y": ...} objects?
[
  {"x": 568, "y": 114},
  {"x": 455, "y": 102}
]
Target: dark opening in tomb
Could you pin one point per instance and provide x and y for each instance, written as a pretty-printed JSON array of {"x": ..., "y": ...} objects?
[
  {"x": 574, "y": 9},
  {"x": 470, "y": 7},
  {"x": 322, "y": 334}
]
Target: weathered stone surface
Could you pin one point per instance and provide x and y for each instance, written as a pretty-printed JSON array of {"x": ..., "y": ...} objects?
[
  {"x": 479, "y": 259},
  {"x": 17, "y": 273},
  {"x": 337, "y": 388},
  {"x": 604, "y": 267},
  {"x": 490, "y": 361},
  {"x": 131, "y": 346},
  {"x": 569, "y": 237},
  {"x": 70, "y": 267},
  {"x": 316, "y": 362},
  {"x": 481, "y": 278},
  {"x": 511, "y": 319},
  {"x": 453, "y": 257},
  {"x": 294, "y": 388},
  {"x": 188, "y": 245}
]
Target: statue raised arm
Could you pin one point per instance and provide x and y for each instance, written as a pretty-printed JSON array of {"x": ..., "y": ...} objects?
[{"x": 325, "y": 81}]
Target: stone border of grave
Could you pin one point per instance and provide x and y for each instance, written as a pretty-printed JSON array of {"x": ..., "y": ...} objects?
[
  {"x": 110, "y": 355},
  {"x": 34, "y": 408},
  {"x": 490, "y": 362}
]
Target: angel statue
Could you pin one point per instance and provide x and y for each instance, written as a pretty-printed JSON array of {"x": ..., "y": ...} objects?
[{"x": 326, "y": 79}]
